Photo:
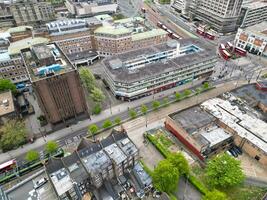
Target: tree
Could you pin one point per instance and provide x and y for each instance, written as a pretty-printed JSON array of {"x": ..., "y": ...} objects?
[
  {"x": 88, "y": 79},
  {"x": 93, "y": 128},
  {"x": 32, "y": 156},
  {"x": 107, "y": 124},
  {"x": 179, "y": 162},
  {"x": 165, "y": 177},
  {"x": 97, "y": 95},
  {"x": 117, "y": 120},
  {"x": 12, "y": 135},
  {"x": 198, "y": 90},
  {"x": 97, "y": 109},
  {"x": 215, "y": 195},
  {"x": 51, "y": 147},
  {"x": 155, "y": 105},
  {"x": 224, "y": 171},
  {"x": 206, "y": 85},
  {"x": 187, "y": 92},
  {"x": 178, "y": 96},
  {"x": 6, "y": 84},
  {"x": 165, "y": 101},
  {"x": 132, "y": 113},
  {"x": 144, "y": 109}
]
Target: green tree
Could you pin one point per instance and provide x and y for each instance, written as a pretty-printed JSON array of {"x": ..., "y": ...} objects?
[
  {"x": 32, "y": 156},
  {"x": 179, "y": 162},
  {"x": 51, "y": 147},
  {"x": 6, "y": 84},
  {"x": 97, "y": 109},
  {"x": 224, "y": 171},
  {"x": 144, "y": 109},
  {"x": 97, "y": 95},
  {"x": 187, "y": 92},
  {"x": 88, "y": 79},
  {"x": 107, "y": 123},
  {"x": 132, "y": 113},
  {"x": 117, "y": 120},
  {"x": 215, "y": 195},
  {"x": 12, "y": 135},
  {"x": 93, "y": 128},
  {"x": 165, "y": 101},
  {"x": 165, "y": 177},
  {"x": 198, "y": 90},
  {"x": 178, "y": 96},
  {"x": 206, "y": 85},
  {"x": 155, "y": 105}
]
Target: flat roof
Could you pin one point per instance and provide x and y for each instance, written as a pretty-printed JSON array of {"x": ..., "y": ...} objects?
[
  {"x": 154, "y": 69},
  {"x": 4, "y": 56},
  {"x": 112, "y": 30},
  {"x": 103, "y": 17},
  {"x": 256, "y": 5},
  {"x": 130, "y": 19},
  {"x": 16, "y": 47},
  {"x": 115, "y": 153},
  {"x": 246, "y": 125},
  {"x": 215, "y": 135},
  {"x": 19, "y": 29},
  {"x": 6, "y": 103},
  {"x": 260, "y": 28},
  {"x": 148, "y": 34}
]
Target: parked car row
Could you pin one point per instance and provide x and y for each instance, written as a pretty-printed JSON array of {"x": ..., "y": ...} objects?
[{"x": 234, "y": 151}]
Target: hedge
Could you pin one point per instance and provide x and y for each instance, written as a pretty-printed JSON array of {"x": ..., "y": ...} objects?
[
  {"x": 199, "y": 185},
  {"x": 146, "y": 168}
]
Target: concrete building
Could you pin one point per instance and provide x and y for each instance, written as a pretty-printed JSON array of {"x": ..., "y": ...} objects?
[
  {"x": 75, "y": 37},
  {"x": 146, "y": 71},
  {"x": 253, "y": 39},
  {"x": 253, "y": 13},
  {"x": 56, "y": 84},
  {"x": 222, "y": 16},
  {"x": 126, "y": 35},
  {"x": 6, "y": 18},
  {"x": 181, "y": 6},
  {"x": 20, "y": 33},
  {"x": 84, "y": 8},
  {"x": 31, "y": 12},
  {"x": 7, "y": 107}
]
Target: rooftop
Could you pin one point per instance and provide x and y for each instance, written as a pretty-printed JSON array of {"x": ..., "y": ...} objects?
[
  {"x": 148, "y": 34},
  {"x": 260, "y": 28},
  {"x": 201, "y": 52},
  {"x": 115, "y": 153},
  {"x": 19, "y": 29},
  {"x": 130, "y": 19},
  {"x": 6, "y": 103},
  {"x": 256, "y": 5},
  {"x": 112, "y": 30},
  {"x": 247, "y": 125},
  {"x": 16, "y": 47},
  {"x": 4, "y": 56}
]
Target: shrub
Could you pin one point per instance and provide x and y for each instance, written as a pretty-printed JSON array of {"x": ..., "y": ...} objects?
[
  {"x": 97, "y": 109},
  {"x": 117, "y": 120},
  {"x": 107, "y": 124},
  {"x": 155, "y": 105},
  {"x": 132, "y": 113},
  {"x": 187, "y": 92}
]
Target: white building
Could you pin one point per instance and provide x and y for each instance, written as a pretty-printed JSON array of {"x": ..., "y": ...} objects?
[
  {"x": 254, "y": 13},
  {"x": 181, "y": 6},
  {"x": 253, "y": 39}
]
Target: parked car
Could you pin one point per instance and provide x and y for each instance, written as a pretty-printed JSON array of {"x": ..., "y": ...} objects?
[
  {"x": 40, "y": 183},
  {"x": 238, "y": 150},
  {"x": 233, "y": 153}
]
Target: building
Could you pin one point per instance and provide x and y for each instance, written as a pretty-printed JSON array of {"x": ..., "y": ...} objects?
[
  {"x": 75, "y": 37},
  {"x": 31, "y": 12},
  {"x": 222, "y": 16},
  {"x": 84, "y": 8},
  {"x": 249, "y": 132},
  {"x": 126, "y": 35},
  {"x": 56, "y": 84},
  {"x": 6, "y": 18},
  {"x": 198, "y": 131},
  {"x": 146, "y": 71},
  {"x": 20, "y": 33},
  {"x": 4, "y": 41},
  {"x": 7, "y": 107},
  {"x": 181, "y": 6},
  {"x": 253, "y": 13},
  {"x": 253, "y": 39}
]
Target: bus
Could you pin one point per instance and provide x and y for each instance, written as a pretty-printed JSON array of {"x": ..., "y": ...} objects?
[
  {"x": 175, "y": 36},
  {"x": 221, "y": 47},
  {"x": 200, "y": 31},
  {"x": 225, "y": 55},
  {"x": 229, "y": 46},
  {"x": 7, "y": 166},
  {"x": 143, "y": 10},
  {"x": 164, "y": 27},
  {"x": 170, "y": 33},
  {"x": 159, "y": 24},
  {"x": 241, "y": 52},
  {"x": 210, "y": 35}
]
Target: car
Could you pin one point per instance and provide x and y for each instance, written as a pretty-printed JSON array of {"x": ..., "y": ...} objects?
[
  {"x": 229, "y": 153},
  {"x": 40, "y": 183},
  {"x": 238, "y": 150},
  {"x": 233, "y": 153}
]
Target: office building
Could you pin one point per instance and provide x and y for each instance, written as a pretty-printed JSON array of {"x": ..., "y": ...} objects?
[
  {"x": 126, "y": 35},
  {"x": 75, "y": 37},
  {"x": 253, "y": 39},
  {"x": 6, "y": 18},
  {"x": 253, "y": 13},
  {"x": 84, "y": 8},
  {"x": 181, "y": 6},
  {"x": 31, "y": 12},
  {"x": 222, "y": 16},
  {"x": 56, "y": 84},
  {"x": 146, "y": 71}
]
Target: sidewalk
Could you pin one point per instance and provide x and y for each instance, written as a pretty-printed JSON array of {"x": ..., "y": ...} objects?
[{"x": 120, "y": 108}]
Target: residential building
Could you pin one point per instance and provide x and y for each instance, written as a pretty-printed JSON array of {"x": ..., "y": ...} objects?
[
  {"x": 198, "y": 131},
  {"x": 253, "y": 13},
  {"x": 222, "y": 16},
  {"x": 84, "y": 8},
  {"x": 75, "y": 37},
  {"x": 56, "y": 84},
  {"x": 126, "y": 35},
  {"x": 253, "y": 39},
  {"x": 7, "y": 107},
  {"x": 147, "y": 71},
  {"x": 32, "y": 12}
]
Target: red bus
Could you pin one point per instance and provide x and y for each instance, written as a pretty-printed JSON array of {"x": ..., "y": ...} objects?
[
  {"x": 175, "y": 36},
  {"x": 241, "y": 52},
  {"x": 210, "y": 35},
  {"x": 222, "y": 47},
  {"x": 159, "y": 24},
  {"x": 200, "y": 31},
  {"x": 170, "y": 33},
  {"x": 164, "y": 27},
  {"x": 7, "y": 166},
  {"x": 229, "y": 46},
  {"x": 225, "y": 54},
  {"x": 143, "y": 10}
]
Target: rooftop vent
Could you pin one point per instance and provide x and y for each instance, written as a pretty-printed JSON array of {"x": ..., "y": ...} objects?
[{"x": 5, "y": 102}]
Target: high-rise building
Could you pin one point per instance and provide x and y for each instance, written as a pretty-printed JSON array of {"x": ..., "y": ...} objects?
[
  {"x": 181, "y": 6},
  {"x": 56, "y": 84},
  {"x": 31, "y": 12},
  {"x": 222, "y": 16}
]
